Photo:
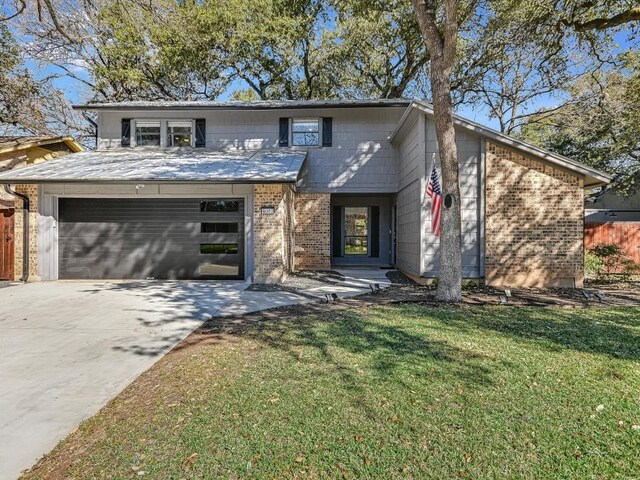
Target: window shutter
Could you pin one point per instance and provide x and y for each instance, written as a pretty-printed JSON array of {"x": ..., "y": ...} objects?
[
  {"x": 327, "y": 131},
  {"x": 125, "y": 130},
  {"x": 375, "y": 232},
  {"x": 337, "y": 231},
  {"x": 283, "y": 140},
  {"x": 201, "y": 132}
]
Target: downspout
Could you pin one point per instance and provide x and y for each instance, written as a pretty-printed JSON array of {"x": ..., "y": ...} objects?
[{"x": 25, "y": 231}]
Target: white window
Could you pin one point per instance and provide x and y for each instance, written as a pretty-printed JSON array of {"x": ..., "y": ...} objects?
[
  {"x": 147, "y": 134},
  {"x": 305, "y": 132},
  {"x": 179, "y": 134}
]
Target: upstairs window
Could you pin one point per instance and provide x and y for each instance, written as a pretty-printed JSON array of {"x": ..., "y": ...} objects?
[
  {"x": 179, "y": 134},
  {"x": 147, "y": 134},
  {"x": 305, "y": 132}
]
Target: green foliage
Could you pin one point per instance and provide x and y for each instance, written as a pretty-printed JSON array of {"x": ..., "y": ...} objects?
[
  {"x": 607, "y": 260},
  {"x": 593, "y": 265},
  {"x": 600, "y": 126}
]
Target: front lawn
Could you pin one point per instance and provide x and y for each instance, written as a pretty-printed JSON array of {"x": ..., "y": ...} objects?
[{"x": 380, "y": 392}]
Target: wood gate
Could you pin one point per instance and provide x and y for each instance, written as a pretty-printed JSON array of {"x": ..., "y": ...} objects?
[{"x": 7, "y": 251}]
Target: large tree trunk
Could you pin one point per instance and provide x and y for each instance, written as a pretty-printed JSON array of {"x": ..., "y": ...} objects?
[
  {"x": 450, "y": 276},
  {"x": 441, "y": 42}
]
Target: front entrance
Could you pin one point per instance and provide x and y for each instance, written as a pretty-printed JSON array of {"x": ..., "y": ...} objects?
[
  {"x": 361, "y": 229},
  {"x": 7, "y": 244}
]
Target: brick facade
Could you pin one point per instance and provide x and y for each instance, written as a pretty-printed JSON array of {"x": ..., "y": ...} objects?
[
  {"x": 273, "y": 233},
  {"x": 312, "y": 231},
  {"x": 534, "y": 222},
  {"x": 30, "y": 191}
]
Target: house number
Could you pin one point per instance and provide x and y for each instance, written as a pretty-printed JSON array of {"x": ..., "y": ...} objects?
[{"x": 267, "y": 210}]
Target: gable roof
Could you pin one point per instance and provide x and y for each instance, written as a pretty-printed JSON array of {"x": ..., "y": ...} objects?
[
  {"x": 240, "y": 105},
  {"x": 132, "y": 166},
  {"x": 592, "y": 176},
  {"x": 14, "y": 143}
]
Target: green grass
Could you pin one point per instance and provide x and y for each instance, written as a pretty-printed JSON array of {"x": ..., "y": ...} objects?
[{"x": 384, "y": 392}]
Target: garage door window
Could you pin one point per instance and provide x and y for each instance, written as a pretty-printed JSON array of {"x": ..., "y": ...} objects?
[
  {"x": 219, "y": 206},
  {"x": 220, "y": 227},
  {"x": 219, "y": 248}
]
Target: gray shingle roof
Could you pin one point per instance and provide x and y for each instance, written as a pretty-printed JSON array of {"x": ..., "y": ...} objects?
[
  {"x": 238, "y": 105},
  {"x": 162, "y": 166}
]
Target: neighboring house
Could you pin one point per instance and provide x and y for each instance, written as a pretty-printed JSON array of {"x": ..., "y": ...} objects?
[
  {"x": 612, "y": 218},
  {"x": 17, "y": 151},
  {"x": 254, "y": 190}
]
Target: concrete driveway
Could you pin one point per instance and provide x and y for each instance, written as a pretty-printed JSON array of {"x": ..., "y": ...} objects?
[{"x": 66, "y": 348}]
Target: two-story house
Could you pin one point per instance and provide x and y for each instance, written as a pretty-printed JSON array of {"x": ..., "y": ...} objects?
[{"x": 254, "y": 190}]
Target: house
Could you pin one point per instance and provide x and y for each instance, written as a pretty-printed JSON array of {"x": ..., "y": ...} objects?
[
  {"x": 613, "y": 218},
  {"x": 254, "y": 190},
  {"x": 16, "y": 151}
]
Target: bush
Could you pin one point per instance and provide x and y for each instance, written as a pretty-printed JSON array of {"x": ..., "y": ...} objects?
[{"x": 593, "y": 265}]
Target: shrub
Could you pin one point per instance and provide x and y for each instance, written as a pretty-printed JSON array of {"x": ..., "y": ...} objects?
[
  {"x": 593, "y": 265},
  {"x": 609, "y": 259}
]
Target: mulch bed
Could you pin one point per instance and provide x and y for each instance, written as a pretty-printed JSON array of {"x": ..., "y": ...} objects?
[{"x": 616, "y": 295}]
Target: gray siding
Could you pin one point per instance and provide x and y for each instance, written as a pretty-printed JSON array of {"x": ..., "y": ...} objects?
[
  {"x": 360, "y": 160},
  {"x": 469, "y": 154},
  {"x": 411, "y": 155}
]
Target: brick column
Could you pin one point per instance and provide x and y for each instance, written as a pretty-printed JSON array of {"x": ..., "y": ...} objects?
[
  {"x": 313, "y": 231},
  {"x": 273, "y": 233},
  {"x": 30, "y": 191}
]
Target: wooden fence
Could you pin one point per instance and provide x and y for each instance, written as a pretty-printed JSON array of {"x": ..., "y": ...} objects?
[{"x": 625, "y": 234}]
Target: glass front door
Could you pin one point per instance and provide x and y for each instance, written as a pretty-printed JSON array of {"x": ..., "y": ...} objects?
[{"x": 356, "y": 231}]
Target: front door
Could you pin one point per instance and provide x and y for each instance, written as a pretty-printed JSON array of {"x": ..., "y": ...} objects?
[{"x": 7, "y": 246}]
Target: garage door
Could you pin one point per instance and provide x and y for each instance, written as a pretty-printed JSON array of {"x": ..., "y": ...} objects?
[{"x": 151, "y": 238}]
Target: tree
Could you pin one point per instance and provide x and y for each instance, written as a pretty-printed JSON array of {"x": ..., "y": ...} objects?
[
  {"x": 381, "y": 49},
  {"x": 439, "y": 24},
  {"x": 600, "y": 126},
  {"x": 29, "y": 105}
]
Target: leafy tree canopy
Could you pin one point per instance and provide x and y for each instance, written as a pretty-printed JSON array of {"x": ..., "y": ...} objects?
[{"x": 600, "y": 126}]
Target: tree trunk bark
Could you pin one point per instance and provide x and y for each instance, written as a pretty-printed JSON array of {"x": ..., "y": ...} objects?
[{"x": 450, "y": 276}]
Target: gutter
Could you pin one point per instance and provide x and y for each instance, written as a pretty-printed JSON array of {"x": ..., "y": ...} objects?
[{"x": 25, "y": 231}]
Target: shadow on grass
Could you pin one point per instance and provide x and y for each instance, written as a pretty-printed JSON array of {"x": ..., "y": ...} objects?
[
  {"x": 351, "y": 341},
  {"x": 614, "y": 332}
]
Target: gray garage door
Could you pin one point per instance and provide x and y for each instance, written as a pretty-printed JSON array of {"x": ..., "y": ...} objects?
[{"x": 123, "y": 238}]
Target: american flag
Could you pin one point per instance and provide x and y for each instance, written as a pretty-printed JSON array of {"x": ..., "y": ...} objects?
[{"x": 434, "y": 191}]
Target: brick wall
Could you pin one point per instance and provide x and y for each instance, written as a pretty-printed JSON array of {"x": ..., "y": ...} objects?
[
  {"x": 273, "y": 234},
  {"x": 534, "y": 222},
  {"x": 30, "y": 191},
  {"x": 312, "y": 231}
]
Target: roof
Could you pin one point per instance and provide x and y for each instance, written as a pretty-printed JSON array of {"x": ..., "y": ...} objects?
[
  {"x": 239, "y": 105},
  {"x": 11, "y": 144},
  {"x": 161, "y": 166},
  {"x": 592, "y": 176}
]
